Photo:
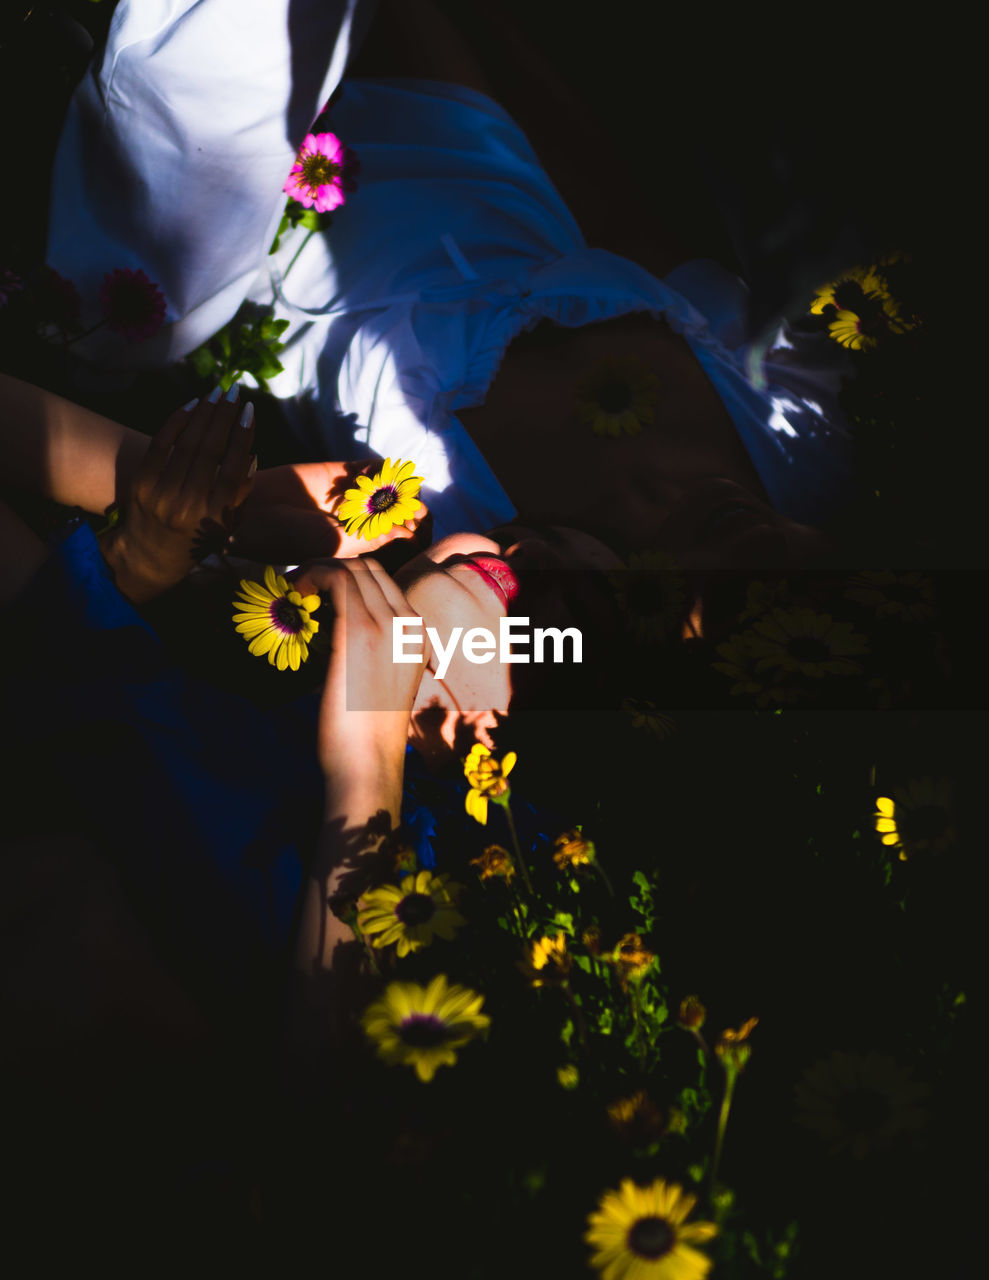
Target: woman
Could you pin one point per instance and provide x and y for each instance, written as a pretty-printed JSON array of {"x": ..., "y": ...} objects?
[{"x": 453, "y": 310}]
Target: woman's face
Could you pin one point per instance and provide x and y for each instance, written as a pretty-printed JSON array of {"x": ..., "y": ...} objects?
[{"x": 471, "y": 580}]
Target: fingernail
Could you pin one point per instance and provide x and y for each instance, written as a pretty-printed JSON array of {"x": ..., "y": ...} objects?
[
  {"x": 188, "y": 408},
  {"x": 215, "y": 394},
  {"x": 247, "y": 415},
  {"x": 233, "y": 393},
  {"x": 253, "y": 467}
]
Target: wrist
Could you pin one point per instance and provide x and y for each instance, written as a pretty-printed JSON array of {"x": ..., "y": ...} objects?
[
  {"x": 362, "y": 784},
  {"x": 133, "y": 580}
]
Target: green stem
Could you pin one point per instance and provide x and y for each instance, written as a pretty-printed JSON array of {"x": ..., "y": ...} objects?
[
  {"x": 295, "y": 256},
  {"x": 515, "y": 845},
  {"x": 701, "y": 1041},
  {"x": 730, "y": 1077},
  {"x": 578, "y": 1015},
  {"x": 633, "y": 996},
  {"x": 604, "y": 876},
  {"x": 85, "y": 334},
  {"x": 517, "y": 909}
]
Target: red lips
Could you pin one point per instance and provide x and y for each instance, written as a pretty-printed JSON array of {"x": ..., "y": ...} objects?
[{"x": 497, "y": 574}]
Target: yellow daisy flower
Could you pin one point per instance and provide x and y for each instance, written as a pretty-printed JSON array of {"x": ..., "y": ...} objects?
[
  {"x": 276, "y": 620},
  {"x": 488, "y": 780},
  {"x": 571, "y": 849},
  {"x": 864, "y": 307},
  {"x": 494, "y": 861},
  {"x": 849, "y": 331},
  {"x": 859, "y": 1103},
  {"x": 743, "y": 663},
  {"x": 411, "y": 914},
  {"x": 618, "y": 395},
  {"x": 691, "y": 1013},
  {"x": 631, "y": 959},
  {"x": 422, "y": 1027},
  {"x": 652, "y": 593},
  {"x": 644, "y": 715},
  {"x": 867, "y": 279},
  {"x": 548, "y": 963},
  {"x": 732, "y": 1047},
  {"x": 892, "y": 594},
  {"x": 637, "y": 1119},
  {"x": 807, "y": 642},
  {"x": 381, "y": 501},
  {"x": 641, "y": 1233},
  {"x": 917, "y": 818}
]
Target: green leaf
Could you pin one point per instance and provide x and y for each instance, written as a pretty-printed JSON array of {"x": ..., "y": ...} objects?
[
  {"x": 283, "y": 226},
  {"x": 268, "y": 367},
  {"x": 202, "y": 360}
]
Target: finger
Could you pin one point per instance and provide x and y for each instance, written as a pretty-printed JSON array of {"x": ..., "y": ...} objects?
[
  {"x": 317, "y": 577},
  {"x": 397, "y": 533},
  {"x": 233, "y": 481},
  {"x": 186, "y": 444},
  {"x": 162, "y": 441},
  {"x": 209, "y": 450},
  {"x": 383, "y": 600},
  {"x": 389, "y": 599}
]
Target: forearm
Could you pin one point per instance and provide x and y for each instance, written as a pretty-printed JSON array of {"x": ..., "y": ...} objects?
[
  {"x": 362, "y": 807},
  {"x": 332, "y": 978},
  {"x": 55, "y": 448}
]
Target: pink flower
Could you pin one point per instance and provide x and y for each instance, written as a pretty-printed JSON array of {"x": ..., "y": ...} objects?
[
  {"x": 132, "y": 304},
  {"x": 323, "y": 170}
]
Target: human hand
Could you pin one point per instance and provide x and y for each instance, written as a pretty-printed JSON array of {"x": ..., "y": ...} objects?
[
  {"x": 290, "y": 516},
  {"x": 367, "y": 697},
  {"x": 197, "y": 470}
]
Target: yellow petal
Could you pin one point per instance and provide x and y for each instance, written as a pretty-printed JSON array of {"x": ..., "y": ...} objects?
[
  {"x": 264, "y": 642},
  {"x": 256, "y": 592}
]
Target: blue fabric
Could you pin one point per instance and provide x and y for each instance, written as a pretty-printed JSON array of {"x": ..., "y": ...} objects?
[{"x": 209, "y": 806}]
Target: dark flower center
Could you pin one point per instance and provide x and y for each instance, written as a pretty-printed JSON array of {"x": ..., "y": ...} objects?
[
  {"x": 318, "y": 169},
  {"x": 651, "y": 1237},
  {"x": 614, "y": 397},
  {"x": 863, "y": 1110},
  {"x": 416, "y": 908},
  {"x": 422, "y": 1031},
  {"x": 382, "y": 499},
  {"x": 808, "y": 649},
  {"x": 286, "y": 616},
  {"x": 850, "y": 296},
  {"x": 926, "y": 822},
  {"x": 131, "y": 301}
]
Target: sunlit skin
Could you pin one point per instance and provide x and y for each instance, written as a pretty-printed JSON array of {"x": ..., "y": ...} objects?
[{"x": 446, "y": 592}]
